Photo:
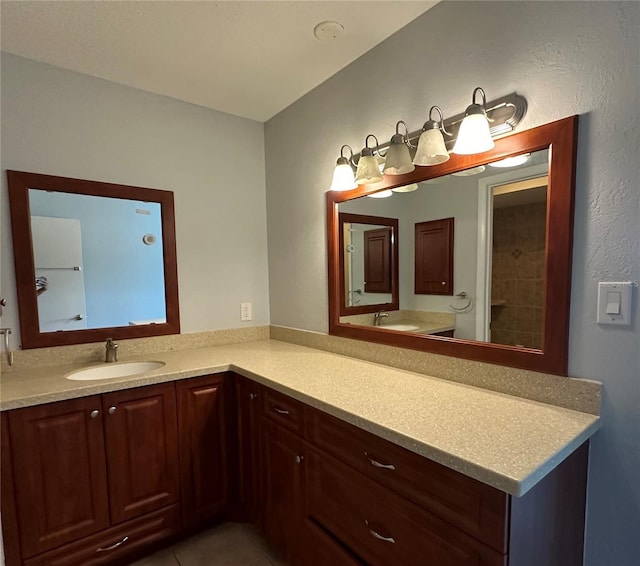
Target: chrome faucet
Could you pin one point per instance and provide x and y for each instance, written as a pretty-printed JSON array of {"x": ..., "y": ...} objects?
[
  {"x": 111, "y": 353},
  {"x": 377, "y": 317}
]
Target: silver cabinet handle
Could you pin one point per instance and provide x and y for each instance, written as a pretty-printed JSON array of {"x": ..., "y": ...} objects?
[
  {"x": 374, "y": 534},
  {"x": 253, "y": 396},
  {"x": 78, "y": 317},
  {"x": 112, "y": 410},
  {"x": 279, "y": 410},
  {"x": 113, "y": 546},
  {"x": 379, "y": 464},
  {"x": 299, "y": 459},
  {"x": 93, "y": 414}
]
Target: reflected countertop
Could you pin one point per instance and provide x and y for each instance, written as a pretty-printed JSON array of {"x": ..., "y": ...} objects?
[{"x": 507, "y": 442}]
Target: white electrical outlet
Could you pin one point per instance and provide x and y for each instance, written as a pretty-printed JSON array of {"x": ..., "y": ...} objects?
[{"x": 245, "y": 312}]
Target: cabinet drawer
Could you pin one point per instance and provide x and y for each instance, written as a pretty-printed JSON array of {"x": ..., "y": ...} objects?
[
  {"x": 326, "y": 551},
  {"x": 115, "y": 543},
  {"x": 381, "y": 527},
  {"x": 283, "y": 410},
  {"x": 474, "y": 507}
]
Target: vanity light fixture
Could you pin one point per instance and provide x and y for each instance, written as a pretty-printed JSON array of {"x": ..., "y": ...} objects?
[
  {"x": 368, "y": 171},
  {"x": 431, "y": 148},
  {"x": 474, "y": 135},
  {"x": 467, "y": 133},
  {"x": 398, "y": 158},
  {"x": 512, "y": 161},
  {"x": 343, "y": 179}
]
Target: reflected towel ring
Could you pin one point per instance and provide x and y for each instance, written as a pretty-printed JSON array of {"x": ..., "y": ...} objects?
[{"x": 463, "y": 295}]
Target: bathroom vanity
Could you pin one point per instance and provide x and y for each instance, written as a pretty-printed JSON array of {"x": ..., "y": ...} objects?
[{"x": 338, "y": 461}]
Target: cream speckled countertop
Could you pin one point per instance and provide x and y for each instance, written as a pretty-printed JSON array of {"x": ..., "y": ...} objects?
[{"x": 506, "y": 442}]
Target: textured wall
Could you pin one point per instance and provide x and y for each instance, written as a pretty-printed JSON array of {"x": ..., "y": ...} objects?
[
  {"x": 64, "y": 123},
  {"x": 565, "y": 58}
]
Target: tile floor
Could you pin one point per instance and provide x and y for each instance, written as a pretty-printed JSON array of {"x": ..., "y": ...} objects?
[{"x": 228, "y": 544}]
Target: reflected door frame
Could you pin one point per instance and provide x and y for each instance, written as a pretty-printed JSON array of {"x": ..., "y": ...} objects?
[{"x": 486, "y": 186}]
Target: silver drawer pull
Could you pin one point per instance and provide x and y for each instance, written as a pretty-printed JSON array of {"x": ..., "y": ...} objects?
[
  {"x": 374, "y": 534},
  {"x": 113, "y": 546},
  {"x": 379, "y": 464},
  {"x": 253, "y": 396},
  {"x": 279, "y": 410}
]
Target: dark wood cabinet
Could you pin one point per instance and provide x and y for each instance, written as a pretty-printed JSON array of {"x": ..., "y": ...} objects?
[
  {"x": 248, "y": 406},
  {"x": 434, "y": 257},
  {"x": 59, "y": 472},
  {"x": 383, "y": 528},
  {"x": 202, "y": 414},
  {"x": 114, "y": 544},
  {"x": 283, "y": 473},
  {"x": 89, "y": 472},
  {"x": 91, "y": 480},
  {"x": 141, "y": 435}
]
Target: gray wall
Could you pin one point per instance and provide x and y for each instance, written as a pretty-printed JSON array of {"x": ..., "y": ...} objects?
[
  {"x": 63, "y": 123},
  {"x": 566, "y": 58}
]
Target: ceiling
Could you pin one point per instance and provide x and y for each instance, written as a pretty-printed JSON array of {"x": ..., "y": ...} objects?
[{"x": 248, "y": 58}]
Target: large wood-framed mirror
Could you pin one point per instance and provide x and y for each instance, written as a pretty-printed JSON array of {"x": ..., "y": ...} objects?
[
  {"x": 93, "y": 260},
  {"x": 512, "y": 259}
]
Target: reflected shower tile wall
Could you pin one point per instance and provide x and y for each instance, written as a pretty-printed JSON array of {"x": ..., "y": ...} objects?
[{"x": 517, "y": 275}]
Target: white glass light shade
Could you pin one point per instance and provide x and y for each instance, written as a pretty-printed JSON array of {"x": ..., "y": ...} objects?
[
  {"x": 381, "y": 194},
  {"x": 406, "y": 188},
  {"x": 431, "y": 149},
  {"x": 398, "y": 160},
  {"x": 343, "y": 179},
  {"x": 368, "y": 171},
  {"x": 473, "y": 135}
]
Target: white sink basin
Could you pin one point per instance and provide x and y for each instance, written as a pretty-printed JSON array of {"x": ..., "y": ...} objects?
[
  {"x": 111, "y": 371},
  {"x": 404, "y": 327}
]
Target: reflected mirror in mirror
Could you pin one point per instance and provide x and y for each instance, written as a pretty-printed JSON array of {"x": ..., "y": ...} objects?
[
  {"x": 98, "y": 261},
  {"x": 369, "y": 260},
  {"x": 497, "y": 217},
  {"x": 93, "y": 260}
]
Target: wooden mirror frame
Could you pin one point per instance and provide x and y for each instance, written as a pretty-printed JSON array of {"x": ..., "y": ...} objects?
[
  {"x": 560, "y": 138},
  {"x": 394, "y": 264},
  {"x": 19, "y": 184}
]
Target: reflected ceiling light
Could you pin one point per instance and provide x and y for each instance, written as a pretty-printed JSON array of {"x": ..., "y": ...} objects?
[
  {"x": 512, "y": 161},
  {"x": 406, "y": 188},
  {"x": 468, "y": 172},
  {"x": 436, "y": 181},
  {"x": 381, "y": 194},
  {"x": 398, "y": 158},
  {"x": 474, "y": 135},
  {"x": 431, "y": 148},
  {"x": 343, "y": 179},
  {"x": 368, "y": 171}
]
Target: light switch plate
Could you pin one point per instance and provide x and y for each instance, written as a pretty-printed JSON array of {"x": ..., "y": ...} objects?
[{"x": 614, "y": 297}]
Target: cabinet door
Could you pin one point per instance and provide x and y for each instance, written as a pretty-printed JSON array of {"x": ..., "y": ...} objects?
[
  {"x": 59, "y": 472},
  {"x": 142, "y": 450},
  {"x": 248, "y": 399},
  {"x": 434, "y": 257},
  {"x": 283, "y": 471},
  {"x": 203, "y": 447}
]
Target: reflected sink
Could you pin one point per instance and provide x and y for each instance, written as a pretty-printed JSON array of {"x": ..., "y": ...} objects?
[
  {"x": 111, "y": 371},
  {"x": 405, "y": 327}
]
